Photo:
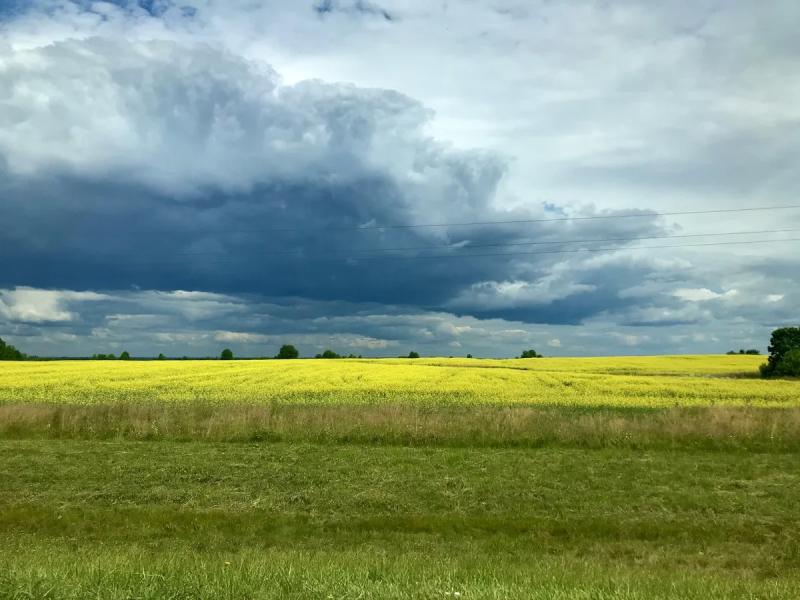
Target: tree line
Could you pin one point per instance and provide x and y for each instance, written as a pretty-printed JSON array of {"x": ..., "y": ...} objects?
[{"x": 783, "y": 359}]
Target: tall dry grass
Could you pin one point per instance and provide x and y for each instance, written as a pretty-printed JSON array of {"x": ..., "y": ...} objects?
[{"x": 396, "y": 424}]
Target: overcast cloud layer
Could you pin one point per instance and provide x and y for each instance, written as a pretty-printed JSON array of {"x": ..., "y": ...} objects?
[{"x": 180, "y": 177}]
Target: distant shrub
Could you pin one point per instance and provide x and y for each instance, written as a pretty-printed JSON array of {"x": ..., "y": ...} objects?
[
  {"x": 329, "y": 354},
  {"x": 162, "y": 357},
  {"x": 753, "y": 352},
  {"x": 227, "y": 354},
  {"x": 287, "y": 351},
  {"x": 413, "y": 354},
  {"x": 125, "y": 355},
  {"x": 469, "y": 355},
  {"x": 530, "y": 354}
]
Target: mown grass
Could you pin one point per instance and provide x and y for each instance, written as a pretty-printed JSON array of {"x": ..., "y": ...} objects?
[
  {"x": 309, "y": 520},
  {"x": 624, "y": 478}
]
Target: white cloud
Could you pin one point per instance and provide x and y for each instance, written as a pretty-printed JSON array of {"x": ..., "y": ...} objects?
[
  {"x": 362, "y": 341},
  {"x": 490, "y": 295},
  {"x": 179, "y": 337},
  {"x": 241, "y": 337},
  {"x": 630, "y": 339},
  {"x": 450, "y": 329},
  {"x": 193, "y": 305},
  {"x": 702, "y": 294},
  {"x": 554, "y": 343},
  {"x": 40, "y": 306},
  {"x": 775, "y": 297},
  {"x": 182, "y": 119}
]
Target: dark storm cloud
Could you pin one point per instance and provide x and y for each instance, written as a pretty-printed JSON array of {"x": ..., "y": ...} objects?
[{"x": 220, "y": 178}]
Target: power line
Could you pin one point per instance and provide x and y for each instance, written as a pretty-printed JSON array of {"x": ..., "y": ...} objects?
[
  {"x": 577, "y": 250},
  {"x": 639, "y": 215},
  {"x": 495, "y": 254},
  {"x": 459, "y": 246},
  {"x": 586, "y": 218}
]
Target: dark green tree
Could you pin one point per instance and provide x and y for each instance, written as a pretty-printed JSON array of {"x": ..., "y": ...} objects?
[
  {"x": 530, "y": 354},
  {"x": 9, "y": 352},
  {"x": 287, "y": 351},
  {"x": 469, "y": 355},
  {"x": 227, "y": 354},
  {"x": 125, "y": 355},
  {"x": 413, "y": 354},
  {"x": 782, "y": 341},
  {"x": 161, "y": 356},
  {"x": 790, "y": 364}
]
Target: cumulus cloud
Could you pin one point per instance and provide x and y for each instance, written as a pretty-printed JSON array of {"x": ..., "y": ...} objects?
[
  {"x": 31, "y": 305},
  {"x": 190, "y": 167},
  {"x": 141, "y": 322},
  {"x": 240, "y": 336},
  {"x": 703, "y": 294},
  {"x": 182, "y": 119},
  {"x": 512, "y": 294}
]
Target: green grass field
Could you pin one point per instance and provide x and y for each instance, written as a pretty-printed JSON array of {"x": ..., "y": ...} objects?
[{"x": 666, "y": 477}]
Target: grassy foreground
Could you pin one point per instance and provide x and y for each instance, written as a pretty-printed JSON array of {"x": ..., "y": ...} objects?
[
  {"x": 665, "y": 477},
  {"x": 307, "y": 520}
]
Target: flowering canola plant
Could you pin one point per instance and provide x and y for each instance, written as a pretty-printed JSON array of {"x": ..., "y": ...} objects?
[{"x": 609, "y": 381}]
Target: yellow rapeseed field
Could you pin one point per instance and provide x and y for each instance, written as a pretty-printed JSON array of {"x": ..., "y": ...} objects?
[{"x": 617, "y": 381}]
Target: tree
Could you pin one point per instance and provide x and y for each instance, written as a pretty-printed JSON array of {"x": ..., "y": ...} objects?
[
  {"x": 8, "y": 352},
  {"x": 469, "y": 355},
  {"x": 530, "y": 354},
  {"x": 125, "y": 355},
  {"x": 413, "y": 354},
  {"x": 227, "y": 354},
  {"x": 161, "y": 356},
  {"x": 287, "y": 351},
  {"x": 790, "y": 364},
  {"x": 328, "y": 354},
  {"x": 781, "y": 343}
]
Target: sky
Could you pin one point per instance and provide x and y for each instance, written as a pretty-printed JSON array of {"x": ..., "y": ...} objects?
[{"x": 383, "y": 176}]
